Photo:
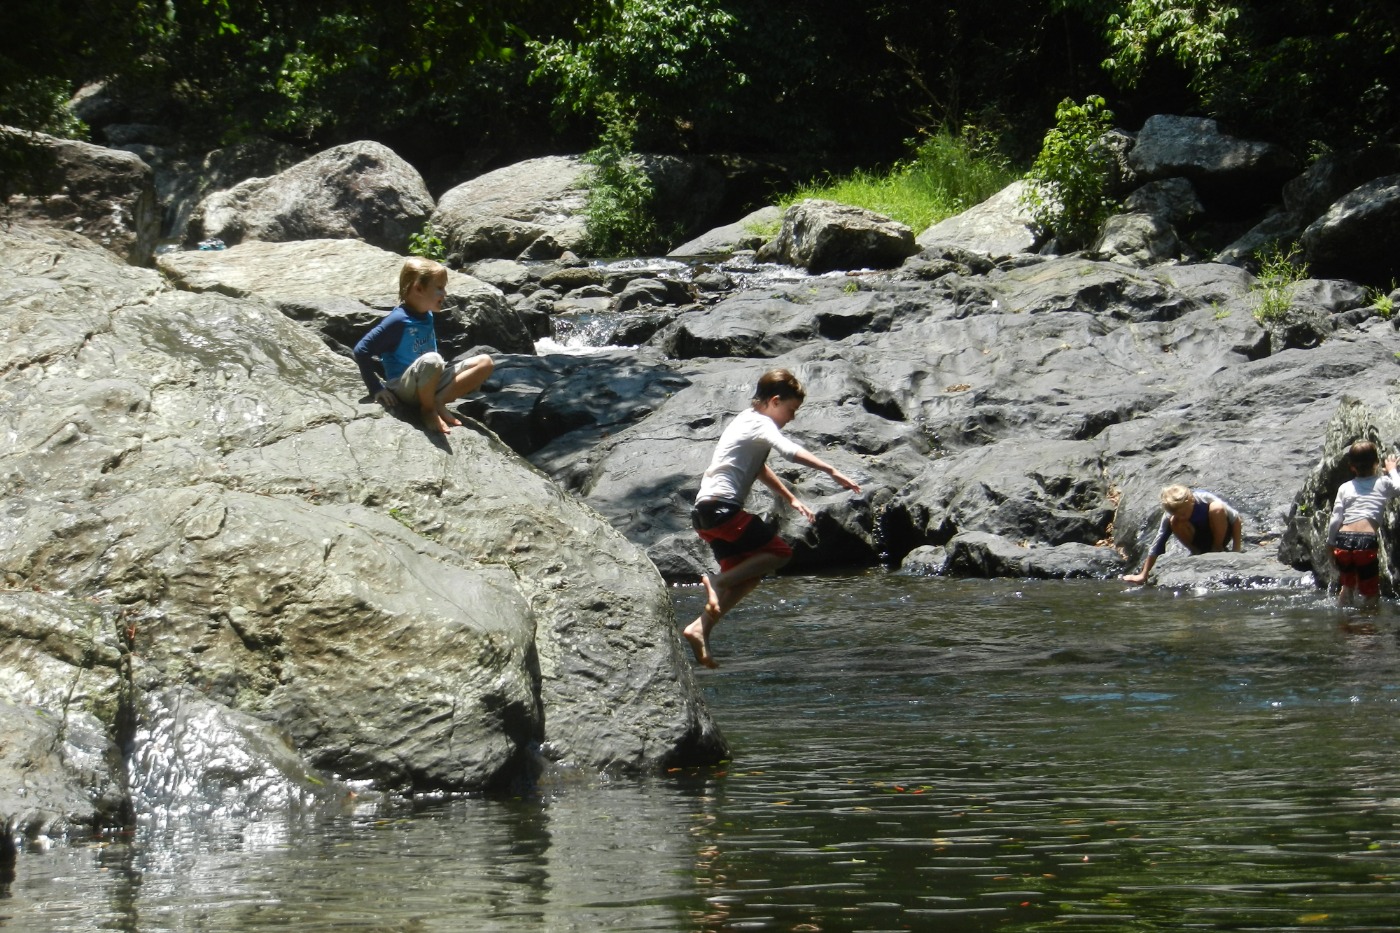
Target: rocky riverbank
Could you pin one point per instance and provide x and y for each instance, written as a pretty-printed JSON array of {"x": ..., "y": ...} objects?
[
  {"x": 230, "y": 584},
  {"x": 232, "y": 581}
]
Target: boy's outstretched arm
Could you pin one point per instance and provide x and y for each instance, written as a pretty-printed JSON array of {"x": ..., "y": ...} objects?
[
  {"x": 1141, "y": 575},
  {"x": 781, "y": 490},
  {"x": 807, "y": 458}
]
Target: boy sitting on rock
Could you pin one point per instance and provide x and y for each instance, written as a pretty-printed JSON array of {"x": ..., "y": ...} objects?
[{"x": 405, "y": 343}]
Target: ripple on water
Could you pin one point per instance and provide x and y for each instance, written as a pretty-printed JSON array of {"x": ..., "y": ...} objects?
[{"x": 908, "y": 754}]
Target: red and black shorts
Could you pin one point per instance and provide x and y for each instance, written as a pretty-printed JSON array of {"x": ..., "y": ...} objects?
[
  {"x": 733, "y": 534},
  {"x": 1357, "y": 564}
]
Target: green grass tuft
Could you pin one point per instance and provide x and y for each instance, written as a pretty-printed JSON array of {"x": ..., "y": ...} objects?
[{"x": 947, "y": 174}]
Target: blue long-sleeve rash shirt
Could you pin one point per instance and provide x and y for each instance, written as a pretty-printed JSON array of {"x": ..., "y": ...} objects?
[{"x": 396, "y": 341}]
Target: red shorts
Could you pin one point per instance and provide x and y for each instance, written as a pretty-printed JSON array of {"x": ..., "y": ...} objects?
[
  {"x": 1358, "y": 566},
  {"x": 735, "y": 535}
]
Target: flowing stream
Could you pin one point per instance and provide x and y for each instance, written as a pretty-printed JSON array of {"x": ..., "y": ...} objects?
[{"x": 909, "y": 754}]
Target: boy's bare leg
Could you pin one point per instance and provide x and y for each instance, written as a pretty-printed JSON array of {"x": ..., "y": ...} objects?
[
  {"x": 722, "y": 593},
  {"x": 427, "y": 404},
  {"x": 752, "y": 568},
  {"x": 468, "y": 379}
]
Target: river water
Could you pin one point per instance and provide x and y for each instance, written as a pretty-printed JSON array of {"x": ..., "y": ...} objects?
[{"x": 909, "y": 754}]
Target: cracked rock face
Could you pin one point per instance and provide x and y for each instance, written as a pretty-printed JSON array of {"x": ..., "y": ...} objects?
[{"x": 283, "y": 587}]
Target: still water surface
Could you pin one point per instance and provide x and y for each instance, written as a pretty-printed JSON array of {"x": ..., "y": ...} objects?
[{"x": 909, "y": 754}]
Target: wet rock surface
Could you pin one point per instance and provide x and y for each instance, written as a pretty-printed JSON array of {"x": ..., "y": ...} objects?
[
  {"x": 1022, "y": 419},
  {"x": 281, "y": 589},
  {"x": 231, "y": 583}
]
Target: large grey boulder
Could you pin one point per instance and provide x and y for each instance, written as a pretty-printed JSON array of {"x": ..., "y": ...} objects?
[
  {"x": 183, "y": 179},
  {"x": 60, "y": 767},
  {"x": 1138, "y": 239},
  {"x": 296, "y": 584},
  {"x": 360, "y": 190},
  {"x": 1308, "y": 196},
  {"x": 342, "y": 287},
  {"x": 1054, "y": 492},
  {"x": 822, "y": 236},
  {"x": 1227, "y": 170},
  {"x": 1304, "y": 542},
  {"x": 1146, "y": 232},
  {"x": 748, "y": 232},
  {"x": 503, "y": 213},
  {"x": 980, "y": 554},
  {"x": 999, "y": 227},
  {"x": 1277, "y": 231},
  {"x": 773, "y": 321},
  {"x": 1254, "y": 569},
  {"x": 106, "y": 195},
  {"x": 1046, "y": 404},
  {"x": 1356, "y": 237}
]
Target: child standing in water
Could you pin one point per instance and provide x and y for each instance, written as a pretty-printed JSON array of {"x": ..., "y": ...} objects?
[
  {"x": 746, "y": 546},
  {"x": 1356, "y": 520}
]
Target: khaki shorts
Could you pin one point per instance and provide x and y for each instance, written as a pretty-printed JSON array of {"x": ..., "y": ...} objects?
[{"x": 428, "y": 369}]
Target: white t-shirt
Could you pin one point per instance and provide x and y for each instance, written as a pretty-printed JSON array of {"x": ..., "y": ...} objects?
[
  {"x": 740, "y": 454},
  {"x": 1363, "y": 497}
]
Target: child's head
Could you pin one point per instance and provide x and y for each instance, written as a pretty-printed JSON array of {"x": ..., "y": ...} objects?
[
  {"x": 779, "y": 395},
  {"x": 780, "y": 383},
  {"x": 1176, "y": 497},
  {"x": 1363, "y": 458},
  {"x": 422, "y": 274}
]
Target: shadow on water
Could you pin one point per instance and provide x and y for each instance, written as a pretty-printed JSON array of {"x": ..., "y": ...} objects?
[{"x": 922, "y": 754}]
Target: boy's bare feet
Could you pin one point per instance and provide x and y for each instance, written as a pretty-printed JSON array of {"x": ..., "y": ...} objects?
[
  {"x": 695, "y": 634},
  {"x": 434, "y": 422},
  {"x": 447, "y": 417}
]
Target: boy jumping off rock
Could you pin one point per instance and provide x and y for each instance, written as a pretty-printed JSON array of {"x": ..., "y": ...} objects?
[{"x": 746, "y": 546}]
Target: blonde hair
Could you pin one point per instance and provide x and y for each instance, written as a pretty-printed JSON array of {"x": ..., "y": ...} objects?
[
  {"x": 1175, "y": 496},
  {"x": 418, "y": 270}
]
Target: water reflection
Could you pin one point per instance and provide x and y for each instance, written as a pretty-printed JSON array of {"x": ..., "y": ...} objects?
[{"x": 910, "y": 754}]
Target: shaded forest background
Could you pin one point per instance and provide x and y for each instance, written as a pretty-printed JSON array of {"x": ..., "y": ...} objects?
[{"x": 459, "y": 88}]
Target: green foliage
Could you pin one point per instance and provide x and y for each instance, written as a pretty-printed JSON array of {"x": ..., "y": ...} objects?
[
  {"x": 1294, "y": 71},
  {"x": 1195, "y": 33},
  {"x": 52, "y": 49},
  {"x": 1382, "y": 301},
  {"x": 618, "y": 214},
  {"x": 1067, "y": 197},
  {"x": 41, "y": 103},
  {"x": 948, "y": 174},
  {"x": 428, "y": 244},
  {"x": 660, "y": 59},
  {"x": 1280, "y": 270}
]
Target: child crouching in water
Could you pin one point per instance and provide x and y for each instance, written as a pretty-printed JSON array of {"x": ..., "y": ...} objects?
[
  {"x": 1353, "y": 533},
  {"x": 1199, "y": 519},
  {"x": 746, "y": 546}
]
